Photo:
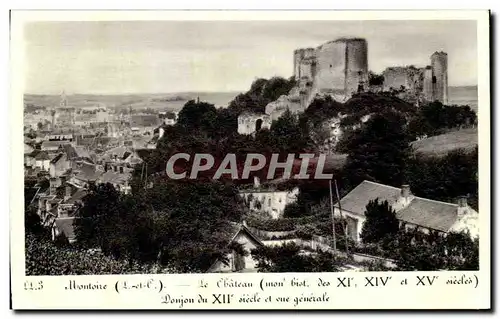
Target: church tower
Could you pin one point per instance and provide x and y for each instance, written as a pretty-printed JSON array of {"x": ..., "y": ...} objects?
[{"x": 63, "y": 102}]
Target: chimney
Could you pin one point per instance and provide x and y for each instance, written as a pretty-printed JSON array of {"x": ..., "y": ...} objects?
[
  {"x": 52, "y": 186},
  {"x": 462, "y": 201},
  {"x": 462, "y": 208},
  {"x": 244, "y": 223},
  {"x": 67, "y": 192},
  {"x": 256, "y": 182},
  {"x": 405, "y": 191}
]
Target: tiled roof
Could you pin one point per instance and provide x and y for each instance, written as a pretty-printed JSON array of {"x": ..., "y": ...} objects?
[
  {"x": 114, "y": 177},
  {"x": 429, "y": 213},
  {"x": 53, "y": 144},
  {"x": 88, "y": 172},
  {"x": 77, "y": 196},
  {"x": 42, "y": 156},
  {"x": 28, "y": 148},
  {"x": 65, "y": 226},
  {"x": 118, "y": 151},
  {"x": 356, "y": 201},
  {"x": 57, "y": 158},
  {"x": 236, "y": 229},
  {"x": 82, "y": 152}
]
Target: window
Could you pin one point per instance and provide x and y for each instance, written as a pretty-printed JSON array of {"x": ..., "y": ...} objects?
[{"x": 269, "y": 202}]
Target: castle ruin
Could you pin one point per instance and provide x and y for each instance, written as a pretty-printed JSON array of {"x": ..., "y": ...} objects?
[
  {"x": 429, "y": 83},
  {"x": 339, "y": 69}
]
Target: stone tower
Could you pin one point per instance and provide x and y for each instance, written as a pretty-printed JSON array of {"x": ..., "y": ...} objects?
[
  {"x": 342, "y": 67},
  {"x": 439, "y": 64}
]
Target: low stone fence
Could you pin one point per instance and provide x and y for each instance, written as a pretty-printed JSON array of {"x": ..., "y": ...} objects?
[
  {"x": 322, "y": 243},
  {"x": 268, "y": 235}
]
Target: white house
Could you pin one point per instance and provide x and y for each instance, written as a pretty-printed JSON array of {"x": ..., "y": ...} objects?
[
  {"x": 413, "y": 211},
  {"x": 42, "y": 161},
  {"x": 266, "y": 198}
]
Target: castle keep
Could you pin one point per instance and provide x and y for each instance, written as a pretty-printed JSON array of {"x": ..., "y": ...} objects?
[{"x": 337, "y": 68}]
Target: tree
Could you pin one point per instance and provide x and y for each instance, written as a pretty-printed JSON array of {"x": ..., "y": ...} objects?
[
  {"x": 198, "y": 116},
  {"x": 100, "y": 204},
  {"x": 445, "y": 178},
  {"x": 379, "y": 151},
  {"x": 375, "y": 79},
  {"x": 289, "y": 136},
  {"x": 185, "y": 225},
  {"x": 291, "y": 258},
  {"x": 435, "y": 118},
  {"x": 32, "y": 222},
  {"x": 261, "y": 93},
  {"x": 429, "y": 252},
  {"x": 380, "y": 222}
]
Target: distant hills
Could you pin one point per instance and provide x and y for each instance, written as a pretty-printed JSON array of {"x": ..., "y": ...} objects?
[{"x": 175, "y": 101}]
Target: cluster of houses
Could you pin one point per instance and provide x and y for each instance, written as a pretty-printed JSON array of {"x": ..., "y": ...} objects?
[{"x": 64, "y": 170}]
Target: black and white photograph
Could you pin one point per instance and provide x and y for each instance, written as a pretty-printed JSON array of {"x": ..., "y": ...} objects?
[
  {"x": 165, "y": 147},
  {"x": 170, "y": 147}
]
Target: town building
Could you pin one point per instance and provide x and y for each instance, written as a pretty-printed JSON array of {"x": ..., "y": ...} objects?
[
  {"x": 268, "y": 198},
  {"x": 169, "y": 117},
  {"x": 235, "y": 260},
  {"x": 412, "y": 211}
]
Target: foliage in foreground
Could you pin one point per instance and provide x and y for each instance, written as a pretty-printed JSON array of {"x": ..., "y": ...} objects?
[
  {"x": 181, "y": 225},
  {"x": 292, "y": 258},
  {"x": 45, "y": 258},
  {"x": 380, "y": 221}
]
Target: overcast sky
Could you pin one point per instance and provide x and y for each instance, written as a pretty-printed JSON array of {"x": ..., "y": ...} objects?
[{"x": 177, "y": 56}]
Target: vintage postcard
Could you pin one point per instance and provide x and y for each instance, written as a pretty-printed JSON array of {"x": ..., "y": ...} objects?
[{"x": 250, "y": 160}]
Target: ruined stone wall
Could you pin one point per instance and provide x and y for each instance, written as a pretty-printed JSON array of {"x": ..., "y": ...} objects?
[
  {"x": 411, "y": 78},
  {"x": 427, "y": 84},
  {"x": 307, "y": 68},
  {"x": 299, "y": 56},
  {"x": 248, "y": 122},
  {"x": 394, "y": 78}
]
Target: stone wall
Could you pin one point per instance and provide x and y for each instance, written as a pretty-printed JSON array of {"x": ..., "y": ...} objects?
[
  {"x": 248, "y": 123},
  {"x": 395, "y": 78}
]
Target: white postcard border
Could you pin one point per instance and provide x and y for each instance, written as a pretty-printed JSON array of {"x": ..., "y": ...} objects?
[{"x": 440, "y": 296}]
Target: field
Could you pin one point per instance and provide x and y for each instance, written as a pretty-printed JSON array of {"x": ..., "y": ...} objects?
[
  {"x": 167, "y": 101},
  {"x": 442, "y": 144}
]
